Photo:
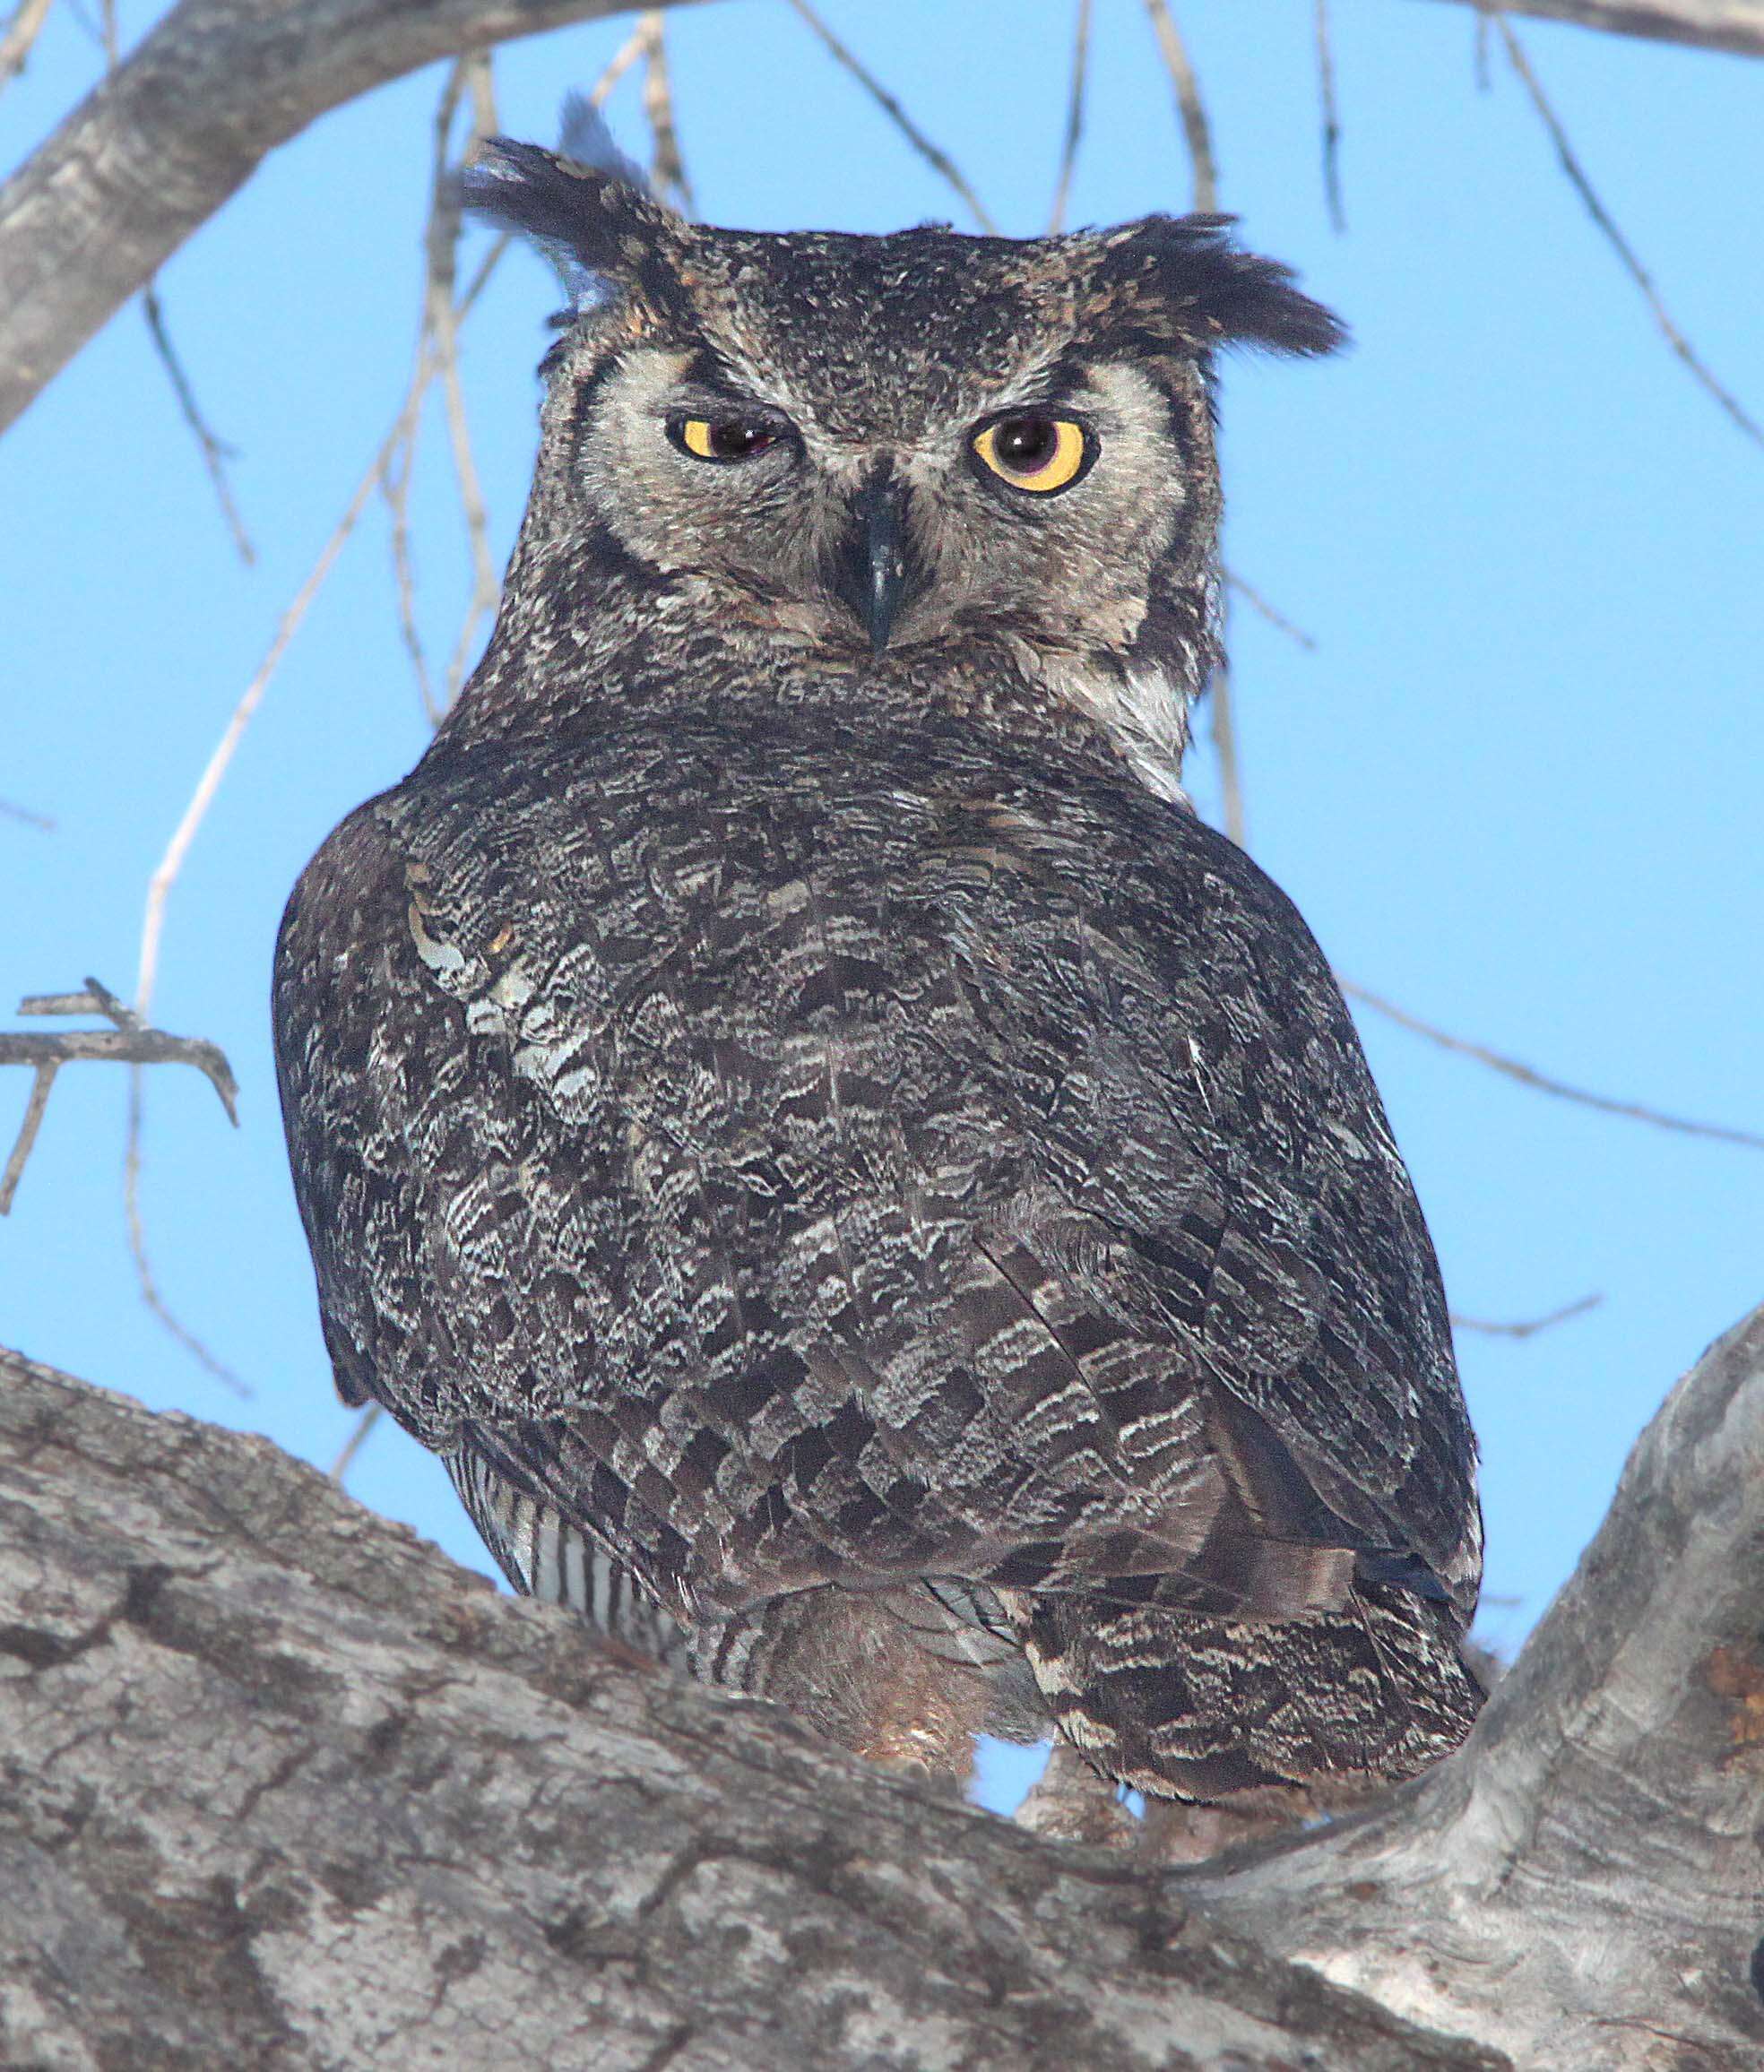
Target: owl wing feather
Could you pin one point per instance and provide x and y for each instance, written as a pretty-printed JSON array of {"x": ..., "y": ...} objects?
[{"x": 807, "y": 1158}]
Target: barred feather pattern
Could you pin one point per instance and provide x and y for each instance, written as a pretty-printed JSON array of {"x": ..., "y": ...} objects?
[{"x": 897, "y": 1213}]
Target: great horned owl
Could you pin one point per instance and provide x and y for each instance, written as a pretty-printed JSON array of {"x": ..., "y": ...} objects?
[{"x": 868, "y": 1194}]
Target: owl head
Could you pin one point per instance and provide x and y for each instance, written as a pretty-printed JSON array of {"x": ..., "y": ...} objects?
[{"x": 923, "y": 459}]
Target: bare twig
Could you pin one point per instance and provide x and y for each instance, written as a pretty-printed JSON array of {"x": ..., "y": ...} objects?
[
  {"x": 1498, "y": 1061},
  {"x": 395, "y": 489},
  {"x": 1191, "y": 108},
  {"x": 624, "y": 58},
  {"x": 939, "y": 160},
  {"x": 1326, "y": 82},
  {"x": 24, "y": 814},
  {"x": 1223, "y": 724},
  {"x": 1260, "y": 605},
  {"x": 22, "y": 31},
  {"x": 1625, "y": 251},
  {"x": 1075, "y": 111},
  {"x": 27, "y": 1135},
  {"x": 1736, "y": 25},
  {"x": 128, "y": 1041},
  {"x": 667, "y": 170},
  {"x": 1528, "y": 1328},
  {"x": 353, "y": 1445},
  {"x": 442, "y": 325},
  {"x": 143, "y": 1270},
  {"x": 215, "y": 451}
]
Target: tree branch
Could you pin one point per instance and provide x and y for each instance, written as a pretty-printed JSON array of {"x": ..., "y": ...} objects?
[
  {"x": 298, "y": 1791},
  {"x": 1708, "y": 24},
  {"x": 180, "y": 126},
  {"x": 127, "y": 1042}
]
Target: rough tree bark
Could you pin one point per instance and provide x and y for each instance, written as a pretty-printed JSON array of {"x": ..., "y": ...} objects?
[
  {"x": 180, "y": 126},
  {"x": 281, "y": 1787},
  {"x": 144, "y": 161}
]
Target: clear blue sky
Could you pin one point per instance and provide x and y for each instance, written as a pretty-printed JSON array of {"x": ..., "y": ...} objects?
[{"x": 1515, "y": 786}]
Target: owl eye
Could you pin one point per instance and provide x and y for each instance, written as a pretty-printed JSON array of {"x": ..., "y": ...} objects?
[
  {"x": 1035, "y": 452},
  {"x": 730, "y": 438}
]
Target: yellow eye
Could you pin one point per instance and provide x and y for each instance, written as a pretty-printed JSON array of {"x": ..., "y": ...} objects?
[
  {"x": 721, "y": 438},
  {"x": 1034, "y": 453}
]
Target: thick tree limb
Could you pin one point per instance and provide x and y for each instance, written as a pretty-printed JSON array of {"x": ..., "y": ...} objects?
[
  {"x": 180, "y": 126},
  {"x": 1583, "y": 1886},
  {"x": 282, "y": 1787}
]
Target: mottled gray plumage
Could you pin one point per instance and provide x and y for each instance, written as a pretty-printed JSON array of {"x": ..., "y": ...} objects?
[{"x": 866, "y": 1192}]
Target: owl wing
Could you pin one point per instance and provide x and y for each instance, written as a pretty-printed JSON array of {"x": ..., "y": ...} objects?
[{"x": 801, "y": 1163}]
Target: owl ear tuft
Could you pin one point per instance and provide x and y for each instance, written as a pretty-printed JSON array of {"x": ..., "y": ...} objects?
[
  {"x": 1181, "y": 283},
  {"x": 592, "y": 217}
]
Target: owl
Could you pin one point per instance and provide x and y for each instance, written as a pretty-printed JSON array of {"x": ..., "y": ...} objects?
[{"x": 873, "y": 1201}]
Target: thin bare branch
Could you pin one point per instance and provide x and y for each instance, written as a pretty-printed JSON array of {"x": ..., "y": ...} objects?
[
  {"x": 624, "y": 58},
  {"x": 215, "y": 451},
  {"x": 1191, "y": 108},
  {"x": 1680, "y": 344},
  {"x": 27, "y": 1135},
  {"x": 24, "y": 814},
  {"x": 143, "y": 1269},
  {"x": 939, "y": 160},
  {"x": 480, "y": 86},
  {"x": 667, "y": 170},
  {"x": 1260, "y": 605},
  {"x": 353, "y": 1445},
  {"x": 22, "y": 31},
  {"x": 1326, "y": 85},
  {"x": 1498, "y": 1061},
  {"x": 128, "y": 1041},
  {"x": 1735, "y": 25},
  {"x": 1529, "y": 1327},
  {"x": 1221, "y": 723},
  {"x": 441, "y": 325},
  {"x": 1074, "y": 112},
  {"x": 395, "y": 490}
]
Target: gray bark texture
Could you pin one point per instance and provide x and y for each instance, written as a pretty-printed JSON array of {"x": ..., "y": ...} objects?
[
  {"x": 89, "y": 219},
  {"x": 180, "y": 126},
  {"x": 281, "y": 1787}
]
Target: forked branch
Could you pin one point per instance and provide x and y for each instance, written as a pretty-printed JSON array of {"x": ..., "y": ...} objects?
[{"x": 128, "y": 1041}]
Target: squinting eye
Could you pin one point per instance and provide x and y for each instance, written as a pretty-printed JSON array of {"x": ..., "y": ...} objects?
[
  {"x": 1034, "y": 453},
  {"x": 721, "y": 438}
]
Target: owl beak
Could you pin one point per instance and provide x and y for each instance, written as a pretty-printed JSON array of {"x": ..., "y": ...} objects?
[{"x": 875, "y": 569}]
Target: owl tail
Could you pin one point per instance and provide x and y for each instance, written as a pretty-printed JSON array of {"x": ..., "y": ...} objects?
[{"x": 1183, "y": 1705}]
